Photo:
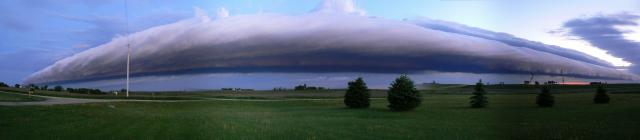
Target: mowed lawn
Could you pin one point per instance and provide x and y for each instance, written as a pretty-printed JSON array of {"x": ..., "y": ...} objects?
[
  {"x": 439, "y": 117},
  {"x": 13, "y": 97}
]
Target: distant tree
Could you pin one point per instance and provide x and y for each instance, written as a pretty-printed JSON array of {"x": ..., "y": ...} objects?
[
  {"x": 95, "y": 91},
  {"x": 83, "y": 91},
  {"x": 311, "y": 88},
  {"x": 32, "y": 90},
  {"x": 601, "y": 96},
  {"x": 300, "y": 87},
  {"x": 357, "y": 95},
  {"x": 537, "y": 83},
  {"x": 403, "y": 95},
  {"x": 2, "y": 84},
  {"x": 16, "y": 85},
  {"x": 45, "y": 87},
  {"x": 71, "y": 90},
  {"x": 123, "y": 90},
  {"x": 57, "y": 88},
  {"x": 35, "y": 87},
  {"x": 545, "y": 99},
  {"x": 478, "y": 100}
]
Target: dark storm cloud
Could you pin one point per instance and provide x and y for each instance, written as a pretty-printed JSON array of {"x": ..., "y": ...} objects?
[
  {"x": 508, "y": 39},
  {"x": 600, "y": 31},
  {"x": 322, "y": 41}
]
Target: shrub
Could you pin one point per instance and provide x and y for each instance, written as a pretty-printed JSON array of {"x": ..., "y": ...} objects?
[
  {"x": 601, "y": 96},
  {"x": 357, "y": 95},
  {"x": 403, "y": 95},
  {"x": 478, "y": 100},
  {"x": 2, "y": 84},
  {"x": 545, "y": 99}
]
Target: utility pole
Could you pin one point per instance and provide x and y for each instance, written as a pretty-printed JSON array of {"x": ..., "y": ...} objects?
[
  {"x": 126, "y": 14},
  {"x": 128, "y": 61}
]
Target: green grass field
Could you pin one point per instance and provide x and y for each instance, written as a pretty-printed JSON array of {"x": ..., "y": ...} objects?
[
  {"x": 508, "y": 116},
  {"x": 12, "y": 97}
]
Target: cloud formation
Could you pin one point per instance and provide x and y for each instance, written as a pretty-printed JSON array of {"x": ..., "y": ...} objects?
[
  {"x": 508, "y": 39},
  {"x": 600, "y": 31},
  {"x": 339, "y": 6},
  {"x": 222, "y": 12},
  {"x": 321, "y": 41}
]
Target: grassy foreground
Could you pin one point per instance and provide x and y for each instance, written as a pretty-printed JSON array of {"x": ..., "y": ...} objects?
[{"x": 439, "y": 117}]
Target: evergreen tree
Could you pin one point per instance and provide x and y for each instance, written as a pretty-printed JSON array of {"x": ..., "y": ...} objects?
[
  {"x": 403, "y": 95},
  {"x": 478, "y": 100},
  {"x": 545, "y": 99},
  {"x": 601, "y": 96},
  {"x": 357, "y": 96}
]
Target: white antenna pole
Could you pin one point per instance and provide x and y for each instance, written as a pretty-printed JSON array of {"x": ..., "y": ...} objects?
[{"x": 128, "y": 44}]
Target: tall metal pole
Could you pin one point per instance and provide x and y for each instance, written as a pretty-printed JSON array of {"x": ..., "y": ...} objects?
[
  {"x": 126, "y": 13},
  {"x": 128, "y": 61}
]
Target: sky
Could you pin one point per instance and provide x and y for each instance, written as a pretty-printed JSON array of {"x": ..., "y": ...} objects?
[{"x": 237, "y": 41}]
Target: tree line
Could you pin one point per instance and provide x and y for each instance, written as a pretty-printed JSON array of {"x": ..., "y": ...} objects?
[
  {"x": 58, "y": 88},
  {"x": 403, "y": 96}
]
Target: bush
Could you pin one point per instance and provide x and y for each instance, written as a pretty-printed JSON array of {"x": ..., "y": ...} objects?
[
  {"x": 403, "y": 95},
  {"x": 2, "y": 84},
  {"x": 545, "y": 99},
  {"x": 601, "y": 96},
  {"x": 357, "y": 95},
  {"x": 478, "y": 100}
]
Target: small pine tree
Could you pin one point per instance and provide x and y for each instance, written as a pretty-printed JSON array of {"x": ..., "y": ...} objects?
[
  {"x": 403, "y": 95},
  {"x": 545, "y": 99},
  {"x": 601, "y": 96},
  {"x": 478, "y": 100},
  {"x": 357, "y": 96}
]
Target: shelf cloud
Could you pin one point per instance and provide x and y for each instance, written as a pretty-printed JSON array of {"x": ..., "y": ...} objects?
[{"x": 323, "y": 41}]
